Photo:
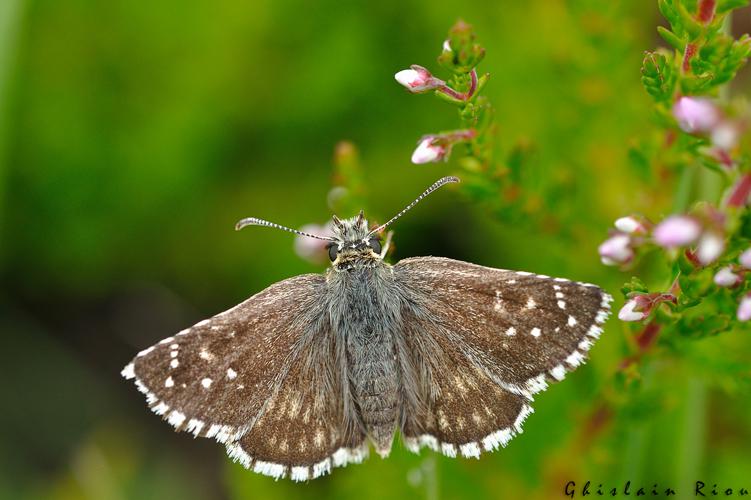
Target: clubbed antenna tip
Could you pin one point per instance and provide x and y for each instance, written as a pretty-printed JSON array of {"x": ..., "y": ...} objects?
[
  {"x": 440, "y": 182},
  {"x": 253, "y": 221}
]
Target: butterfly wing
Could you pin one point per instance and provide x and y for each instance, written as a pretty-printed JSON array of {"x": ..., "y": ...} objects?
[
  {"x": 487, "y": 340},
  {"x": 265, "y": 377}
]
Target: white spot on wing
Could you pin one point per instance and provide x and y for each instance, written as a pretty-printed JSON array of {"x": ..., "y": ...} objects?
[
  {"x": 526, "y": 411},
  {"x": 535, "y": 332},
  {"x": 145, "y": 351},
  {"x": 558, "y": 373},
  {"x": 572, "y": 321},
  {"x": 470, "y": 450},
  {"x": 174, "y": 363},
  {"x": 176, "y": 418},
  {"x": 206, "y": 383},
  {"x": 575, "y": 359},
  {"x": 231, "y": 374},
  {"x": 321, "y": 468},
  {"x": 195, "y": 426},
  {"x": 299, "y": 474},
  {"x": 129, "y": 371},
  {"x": 169, "y": 382},
  {"x": 448, "y": 449}
]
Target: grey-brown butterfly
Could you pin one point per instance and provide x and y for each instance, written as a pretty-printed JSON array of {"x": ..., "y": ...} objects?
[{"x": 305, "y": 375}]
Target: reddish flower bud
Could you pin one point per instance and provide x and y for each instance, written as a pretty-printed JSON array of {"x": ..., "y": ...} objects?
[
  {"x": 418, "y": 79},
  {"x": 430, "y": 149}
]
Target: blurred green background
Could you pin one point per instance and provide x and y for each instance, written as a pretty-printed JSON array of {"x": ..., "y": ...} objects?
[{"x": 134, "y": 135}]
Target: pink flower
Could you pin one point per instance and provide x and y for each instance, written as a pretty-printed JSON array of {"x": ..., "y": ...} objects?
[
  {"x": 745, "y": 259},
  {"x": 696, "y": 114},
  {"x": 616, "y": 250},
  {"x": 676, "y": 231},
  {"x": 430, "y": 149},
  {"x": 311, "y": 249},
  {"x": 711, "y": 246},
  {"x": 726, "y": 277},
  {"x": 744, "y": 308},
  {"x": 630, "y": 225},
  {"x": 418, "y": 79},
  {"x": 629, "y": 311}
]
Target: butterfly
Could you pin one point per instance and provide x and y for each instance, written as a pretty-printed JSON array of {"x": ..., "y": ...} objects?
[{"x": 307, "y": 374}]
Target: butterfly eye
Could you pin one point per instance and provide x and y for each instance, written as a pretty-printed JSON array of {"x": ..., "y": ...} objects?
[
  {"x": 333, "y": 250},
  {"x": 375, "y": 244}
]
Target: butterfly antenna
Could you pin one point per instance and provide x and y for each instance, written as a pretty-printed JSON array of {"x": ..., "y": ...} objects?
[
  {"x": 440, "y": 182},
  {"x": 252, "y": 221}
]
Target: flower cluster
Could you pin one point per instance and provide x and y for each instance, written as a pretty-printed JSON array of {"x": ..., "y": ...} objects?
[
  {"x": 703, "y": 117},
  {"x": 708, "y": 243},
  {"x": 460, "y": 55}
]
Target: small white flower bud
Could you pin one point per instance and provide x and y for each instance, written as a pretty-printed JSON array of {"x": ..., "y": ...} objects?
[
  {"x": 627, "y": 312},
  {"x": 725, "y": 277}
]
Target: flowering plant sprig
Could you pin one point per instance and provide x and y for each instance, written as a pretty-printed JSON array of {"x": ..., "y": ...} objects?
[
  {"x": 708, "y": 243},
  {"x": 488, "y": 177}
]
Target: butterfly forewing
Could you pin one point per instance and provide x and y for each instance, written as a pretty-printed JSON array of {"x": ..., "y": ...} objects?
[
  {"x": 500, "y": 337},
  {"x": 262, "y": 377}
]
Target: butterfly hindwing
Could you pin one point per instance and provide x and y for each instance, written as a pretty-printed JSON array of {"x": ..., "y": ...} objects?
[
  {"x": 263, "y": 378},
  {"x": 501, "y": 336}
]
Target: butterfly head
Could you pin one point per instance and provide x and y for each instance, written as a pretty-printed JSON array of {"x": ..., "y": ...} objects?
[{"x": 354, "y": 243}]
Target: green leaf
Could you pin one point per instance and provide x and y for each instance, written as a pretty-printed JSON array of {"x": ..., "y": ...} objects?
[
  {"x": 668, "y": 11},
  {"x": 688, "y": 22},
  {"x": 672, "y": 39},
  {"x": 634, "y": 286},
  {"x": 658, "y": 76},
  {"x": 728, "y": 5},
  {"x": 704, "y": 325}
]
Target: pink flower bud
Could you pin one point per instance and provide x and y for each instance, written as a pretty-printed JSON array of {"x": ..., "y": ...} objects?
[
  {"x": 726, "y": 277},
  {"x": 711, "y": 245},
  {"x": 744, "y": 308},
  {"x": 629, "y": 313},
  {"x": 640, "y": 305},
  {"x": 429, "y": 149},
  {"x": 676, "y": 231},
  {"x": 616, "y": 250},
  {"x": 745, "y": 259},
  {"x": 418, "y": 79},
  {"x": 696, "y": 114},
  {"x": 630, "y": 225}
]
